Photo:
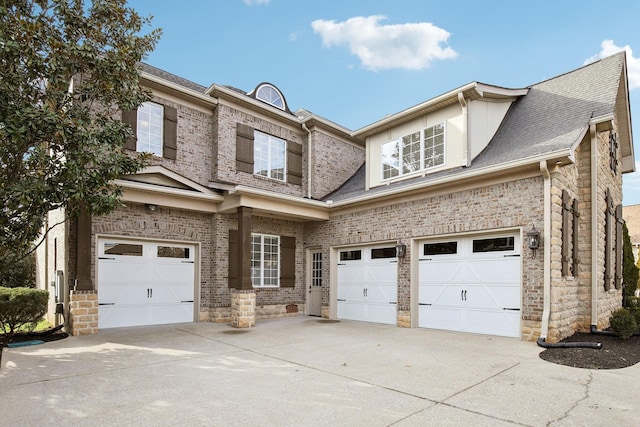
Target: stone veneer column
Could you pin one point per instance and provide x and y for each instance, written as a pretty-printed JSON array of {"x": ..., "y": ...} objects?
[
  {"x": 83, "y": 312},
  {"x": 243, "y": 308}
]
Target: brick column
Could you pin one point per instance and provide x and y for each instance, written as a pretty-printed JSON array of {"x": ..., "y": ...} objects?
[
  {"x": 243, "y": 308},
  {"x": 83, "y": 312}
]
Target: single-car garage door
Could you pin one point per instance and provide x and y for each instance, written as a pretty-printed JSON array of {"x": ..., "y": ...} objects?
[
  {"x": 144, "y": 283},
  {"x": 368, "y": 284},
  {"x": 471, "y": 284}
]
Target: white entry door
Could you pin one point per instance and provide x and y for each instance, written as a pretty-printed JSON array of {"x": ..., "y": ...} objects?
[
  {"x": 314, "y": 300},
  {"x": 471, "y": 284},
  {"x": 145, "y": 283},
  {"x": 368, "y": 284}
]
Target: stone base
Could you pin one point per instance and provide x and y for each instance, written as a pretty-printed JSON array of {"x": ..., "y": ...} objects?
[
  {"x": 404, "y": 319},
  {"x": 243, "y": 309},
  {"x": 83, "y": 313},
  {"x": 325, "y": 312}
]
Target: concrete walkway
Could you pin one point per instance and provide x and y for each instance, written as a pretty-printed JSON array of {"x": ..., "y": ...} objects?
[{"x": 304, "y": 371}]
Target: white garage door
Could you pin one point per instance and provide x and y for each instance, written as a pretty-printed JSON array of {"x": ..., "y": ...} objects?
[
  {"x": 471, "y": 284},
  {"x": 368, "y": 284},
  {"x": 144, "y": 283}
]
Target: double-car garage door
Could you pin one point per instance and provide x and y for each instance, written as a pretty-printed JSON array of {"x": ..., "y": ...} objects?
[
  {"x": 468, "y": 284},
  {"x": 145, "y": 283}
]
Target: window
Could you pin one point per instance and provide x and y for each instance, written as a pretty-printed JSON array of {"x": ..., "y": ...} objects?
[
  {"x": 265, "y": 260},
  {"x": 150, "y": 126},
  {"x": 444, "y": 248},
  {"x": 350, "y": 255},
  {"x": 125, "y": 249},
  {"x": 380, "y": 253},
  {"x": 414, "y": 152},
  {"x": 316, "y": 269},
  {"x": 494, "y": 245},
  {"x": 173, "y": 252},
  {"x": 269, "y": 156},
  {"x": 270, "y": 95}
]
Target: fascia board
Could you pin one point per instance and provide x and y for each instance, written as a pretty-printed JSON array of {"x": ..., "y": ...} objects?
[
  {"x": 487, "y": 171},
  {"x": 178, "y": 192}
]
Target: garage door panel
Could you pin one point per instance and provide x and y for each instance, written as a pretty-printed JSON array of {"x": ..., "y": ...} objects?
[
  {"x": 484, "y": 270},
  {"x": 351, "y": 293},
  {"x": 351, "y": 310},
  {"x": 447, "y": 318},
  {"x": 381, "y": 293},
  {"x": 473, "y": 291},
  {"x": 441, "y": 271},
  {"x": 383, "y": 313},
  {"x": 493, "y": 322},
  {"x": 148, "y": 289}
]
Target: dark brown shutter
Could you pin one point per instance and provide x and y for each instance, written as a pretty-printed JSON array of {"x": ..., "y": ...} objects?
[
  {"x": 287, "y": 262},
  {"x": 608, "y": 240},
  {"x": 131, "y": 118},
  {"x": 566, "y": 210},
  {"x": 619, "y": 240},
  {"x": 576, "y": 231},
  {"x": 234, "y": 260},
  {"x": 244, "y": 148},
  {"x": 294, "y": 163},
  {"x": 170, "y": 131}
]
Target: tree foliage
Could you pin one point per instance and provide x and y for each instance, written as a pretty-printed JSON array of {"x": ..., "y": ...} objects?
[
  {"x": 66, "y": 68},
  {"x": 630, "y": 273},
  {"x": 21, "y": 307}
]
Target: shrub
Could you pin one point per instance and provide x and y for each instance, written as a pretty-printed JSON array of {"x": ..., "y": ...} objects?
[
  {"x": 623, "y": 323},
  {"x": 630, "y": 274},
  {"x": 21, "y": 307}
]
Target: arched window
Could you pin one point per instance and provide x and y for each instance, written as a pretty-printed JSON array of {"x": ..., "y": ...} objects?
[{"x": 270, "y": 95}]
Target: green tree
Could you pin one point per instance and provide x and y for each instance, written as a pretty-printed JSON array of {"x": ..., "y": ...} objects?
[
  {"x": 66, "y": 68},
  {"x": 629, "y": 268}
]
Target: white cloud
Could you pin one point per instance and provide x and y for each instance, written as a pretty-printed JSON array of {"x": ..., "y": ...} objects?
[
  {"x": 255, "y": 2},
  {"x": 411, "y": 46},
  {"x": 608, "y": 48}
]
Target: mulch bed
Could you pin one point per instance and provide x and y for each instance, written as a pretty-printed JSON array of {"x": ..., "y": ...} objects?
[{"x": 615, "y": 353}]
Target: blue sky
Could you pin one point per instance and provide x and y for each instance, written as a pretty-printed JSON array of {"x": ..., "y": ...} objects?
[{"x": 356, "y": 61}]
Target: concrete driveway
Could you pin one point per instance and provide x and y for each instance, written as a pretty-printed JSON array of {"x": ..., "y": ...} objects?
[{"x": 304, "y": 371}]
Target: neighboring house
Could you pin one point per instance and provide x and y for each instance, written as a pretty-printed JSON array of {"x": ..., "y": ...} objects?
[
  {"x": 631, "y": 215},
  {"x": 422, "y": 219}
]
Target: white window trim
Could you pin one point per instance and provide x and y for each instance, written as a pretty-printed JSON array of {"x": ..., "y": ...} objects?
[
  {"x": 146, "y": 135},
  {"x": 421, "y": 169},
  {"x": 273, "y": 89},
  {"x": 271, "y": 139},
  {"x": 261, "y": 276}
]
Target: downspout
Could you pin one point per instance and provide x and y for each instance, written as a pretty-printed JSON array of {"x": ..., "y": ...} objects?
[
  {"x": 309, "y": 193},
  {"x": 546, "y": 295},
  {"x": 465, "y": 129},
  {"x": 546, "y": 310},
  {"x": 594, "y": 226}
]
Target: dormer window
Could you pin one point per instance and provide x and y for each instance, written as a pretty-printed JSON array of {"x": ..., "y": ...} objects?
[
  {"x": 417, "y": 151},
  {"x": 269, "y": 94}
]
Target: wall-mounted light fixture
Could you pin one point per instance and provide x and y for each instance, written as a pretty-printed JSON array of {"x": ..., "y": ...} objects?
[
  {"x": 533, "y": 240},
  {"x": 401, "y": 250},
  {"x": 151, "y": 208}
]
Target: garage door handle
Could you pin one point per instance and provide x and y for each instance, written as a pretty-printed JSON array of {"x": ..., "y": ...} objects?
[
  {"x": 423, "y": 303},
  {"x": 188, "y": 262},
  {"x": 516, "y": 255},
  {"x": 106, "y": 303},
  {"x": 187, "y": 301},
  {"x": 510, "y": 309},
  {"x": 341, "y": 299},
  {"x": 105, "y": 257}
]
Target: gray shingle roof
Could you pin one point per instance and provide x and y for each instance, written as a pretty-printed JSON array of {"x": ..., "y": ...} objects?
[
  {"x": 552, "y": 117},
  {"x": 165, "y": 75}
]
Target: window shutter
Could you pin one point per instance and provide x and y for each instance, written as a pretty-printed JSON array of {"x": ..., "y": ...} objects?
[
  {"x": 234, "y": 260},
  {"x": 170, "y": 131},
  {"x": 294, "y": 163},
  {"x": 130, "y": 118},
  {"x": 287, "y": 262},
  {"x": 619, "y": 241},
  {"x": 244, "y": 148}
]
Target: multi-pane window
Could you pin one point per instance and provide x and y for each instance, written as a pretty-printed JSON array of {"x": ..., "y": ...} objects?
[
  {"x": 265, "y": 260},
  {"x": 269, "y": 156},
  {"x": 316, "y": 269},
  {"x": 414, "y": 152},
  {"x": 149, "y": 128}
]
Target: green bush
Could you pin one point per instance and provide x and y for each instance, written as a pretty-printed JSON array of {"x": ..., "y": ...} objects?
[
  {"x": 623, "y": 323},
  {"x": 21, "y": 307}
]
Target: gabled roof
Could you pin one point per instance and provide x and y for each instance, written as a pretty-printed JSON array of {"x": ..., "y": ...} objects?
[{"x": 545, "y": 124}]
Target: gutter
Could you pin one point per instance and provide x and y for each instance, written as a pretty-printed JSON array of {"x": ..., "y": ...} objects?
[
  {"x": 546, "y": 299},
  {"x": 594, "y": 225},
  {"x": 465, "y": 129},
  {"x": 309, "y": 181},
  {"x": 568, "y": 154}
]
